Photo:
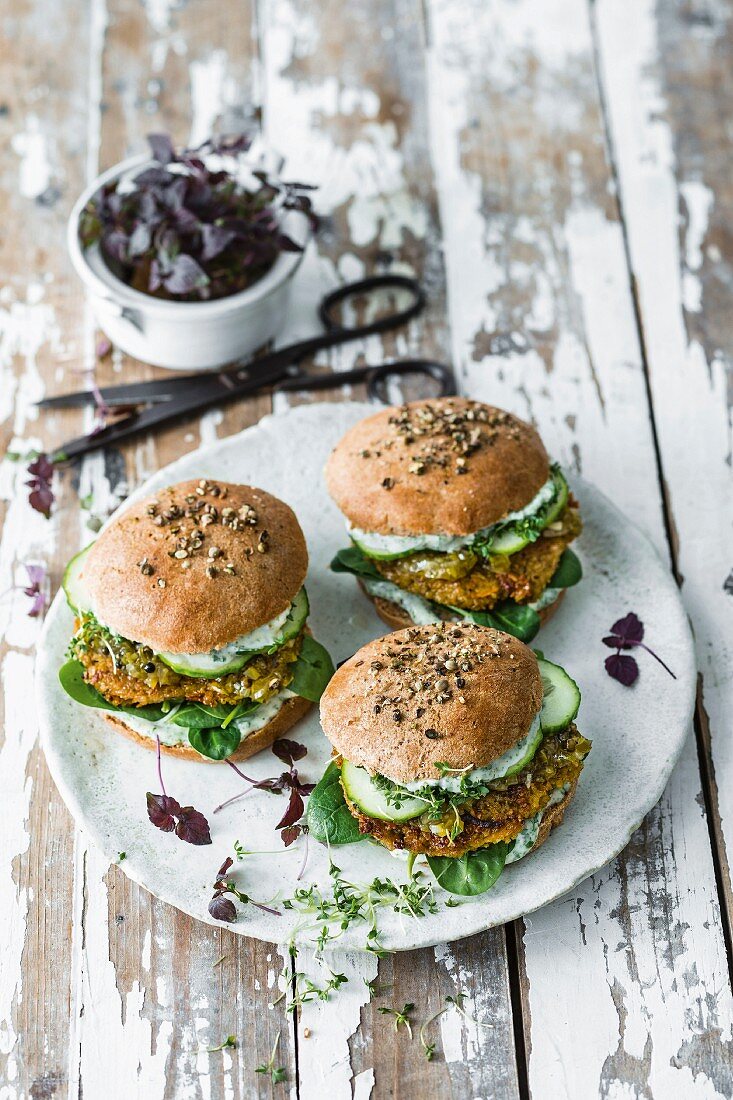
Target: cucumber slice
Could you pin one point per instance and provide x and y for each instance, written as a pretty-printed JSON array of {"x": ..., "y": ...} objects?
[
  {"x": 532, "y": 745},
  {"x": 555, "y": 508},
  {"x": 380, "y": 555},
  {"x": 364, "y": 793},
  {"x": 231, "y": 658},
  {"x": 561, "y": 699},
  {"x": 73, "y": 584},
  {"x": 508, "y": 542}
]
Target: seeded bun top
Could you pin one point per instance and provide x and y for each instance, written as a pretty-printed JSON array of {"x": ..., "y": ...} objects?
[
  {"x": 449, "y": 466},
  {"x": 457, "y": 694},
  {"x": 196, "y": 566}
]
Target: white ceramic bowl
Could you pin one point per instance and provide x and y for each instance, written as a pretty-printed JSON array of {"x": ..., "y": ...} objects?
[{"x": 184, "y": 335}]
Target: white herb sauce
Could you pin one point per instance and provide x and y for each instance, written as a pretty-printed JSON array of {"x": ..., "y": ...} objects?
[
  {"x": 525, "y": 841},
  {"x": 405, "y": 544},
  {"x": 259, "y": 638},
  {"x": 171, "y": 734},
  {"x": 496, "y": 770}
]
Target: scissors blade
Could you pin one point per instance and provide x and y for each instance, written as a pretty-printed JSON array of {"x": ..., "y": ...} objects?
[{"x": 184, "y": 404}]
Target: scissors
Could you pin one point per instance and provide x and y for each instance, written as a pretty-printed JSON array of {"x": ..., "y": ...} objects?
[{"x": 165, "y": 399}]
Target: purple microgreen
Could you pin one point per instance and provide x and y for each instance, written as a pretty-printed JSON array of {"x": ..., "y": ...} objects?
[
  {"x": 288, "y": 751},
  {"x": 161, "y": 147},
  {"x": 103, "y": 348},
  {"x": 190, "y": 230},
  {"x": 294, "y": 811},
  {"x": 628, "y": 633},
  {"x": 223, "y": 908},
  {"x": 169, "y": 816},
  {"x": 37, "y": 589},
  {"x": 622, "y": 668},
  {"x": 41, "y": 496}
]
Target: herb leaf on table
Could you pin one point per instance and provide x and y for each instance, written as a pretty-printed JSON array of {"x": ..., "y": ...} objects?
[
  {"x": 169, "y": 816},
  {"x": 627, "y": 633}
]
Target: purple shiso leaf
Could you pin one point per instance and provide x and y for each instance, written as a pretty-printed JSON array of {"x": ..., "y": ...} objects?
[
  {"x": 161, "y": 147},
  {"x": 214, "y": 239},
  {"x": 155, "y": 280},
  {"x": 41, "y": 500},
  {"x": 41, "y": 467},
  {"x": 185, "y": 275},
  {"x": 103, "y": 348},
  {"x": 294, "y": 811},
  {"x": 140, "y": 240},
  {"x": 116, "y": 244},
  {"x": 152, "y": 177},
  {"x": 161, "y": 811},
  {"x": 36, "y": 574},
  {"x": 193, "y": 827},
  {"x": 223, "y": 909},
  {"x": 629, "y": 629},
  {"x": 228, "y": 862},
  {"x": 622, "y": 668},
  {"x": 288, "y": 751},
  {"x": 290, "y": 834}
]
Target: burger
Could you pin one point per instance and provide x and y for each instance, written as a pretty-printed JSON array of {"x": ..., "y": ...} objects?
[
  {"x": 455, "y": 742},
  {"x": 191, "y": 622},
  {"x": 455, "y": 512}
]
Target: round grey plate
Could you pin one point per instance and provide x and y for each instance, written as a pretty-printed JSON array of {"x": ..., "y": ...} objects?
[{"x": 637, "y": 733}]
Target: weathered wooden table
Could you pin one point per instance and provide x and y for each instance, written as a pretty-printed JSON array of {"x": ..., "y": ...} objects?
[{"x": 558, "y": 173}]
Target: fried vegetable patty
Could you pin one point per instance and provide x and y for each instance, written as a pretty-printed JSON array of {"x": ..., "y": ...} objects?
[
  {"x": 131, "y": 675},
  {"x": 465, "y": 579},
  {"x": 499, "y": 815}
]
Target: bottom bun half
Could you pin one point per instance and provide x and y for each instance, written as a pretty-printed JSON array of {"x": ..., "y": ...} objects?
[
  {"x": 397, "y": 618},
  {"x": 291, "y": 712}
]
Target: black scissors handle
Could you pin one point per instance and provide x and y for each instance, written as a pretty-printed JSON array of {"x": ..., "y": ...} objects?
[{"x": 375, "y": 377}]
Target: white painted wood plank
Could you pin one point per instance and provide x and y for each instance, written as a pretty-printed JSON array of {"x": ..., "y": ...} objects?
[
  {"x": 673, "y": 177},
  {"x": 542, "y": 321}
]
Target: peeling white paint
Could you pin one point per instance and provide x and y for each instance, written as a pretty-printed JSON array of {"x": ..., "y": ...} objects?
[
  {"x": 698, "y": 201},
  {"x": 325, "y": 1067},
  {"x": 30, "y": 145}
]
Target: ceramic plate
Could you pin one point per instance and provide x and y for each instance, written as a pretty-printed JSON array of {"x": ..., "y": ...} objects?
[{"x": 637, "y": 733}]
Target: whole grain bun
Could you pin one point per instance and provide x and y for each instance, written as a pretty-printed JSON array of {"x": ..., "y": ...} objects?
[
  {"x": 478, "y": 689},
  {"x": 291, "y": 712},
  {"x": 397, "y": 618},
  {"x": 141, "y": 590},
  {"x": 448, "y": 466}
]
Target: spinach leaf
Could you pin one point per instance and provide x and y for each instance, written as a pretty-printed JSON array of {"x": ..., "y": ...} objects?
[
  {"x": 569, "y": 571},
  {"x": 217, "y": 744},
  {"x": 471, "y": 874},
  {"x": 517, "y": 619},
  {"x": 329, "y": 818},
  {"x": 313, "y": 669},
  {"x": 201, "y": 716},
  {"x": 71, "y": 678},
  {"x": 352, "y": 560}
]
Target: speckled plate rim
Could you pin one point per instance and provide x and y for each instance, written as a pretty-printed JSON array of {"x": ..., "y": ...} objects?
[{"x": 49, "y": 658}]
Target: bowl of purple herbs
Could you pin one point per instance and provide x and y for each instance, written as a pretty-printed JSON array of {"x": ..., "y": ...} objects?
[{"x": 189, "y": 255}]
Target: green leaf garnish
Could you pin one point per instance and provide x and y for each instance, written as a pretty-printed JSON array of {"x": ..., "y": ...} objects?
[
  {"x": 312, "y": 671},
  {"x": 473, "y": 873},
  {"x": 329, "y": 818}
]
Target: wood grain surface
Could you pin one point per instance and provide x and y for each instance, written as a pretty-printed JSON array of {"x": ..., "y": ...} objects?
[{"x": 557, "y": 174}]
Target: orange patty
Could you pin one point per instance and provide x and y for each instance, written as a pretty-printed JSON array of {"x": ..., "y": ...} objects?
[
  {"x": 523, "y": 577},
  {"x": 260, "y": 679},
  {"x": 499, "y": 815}
]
